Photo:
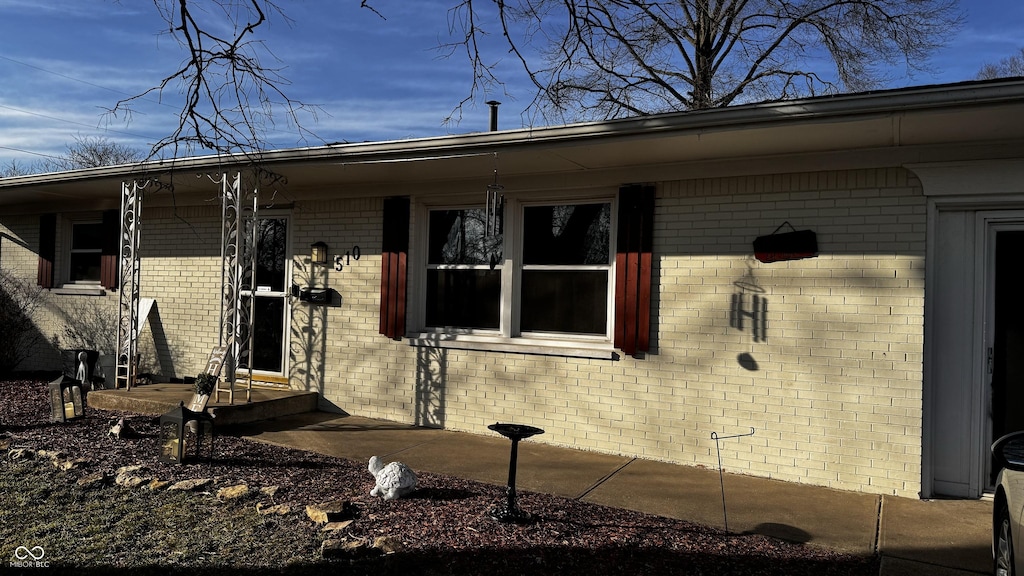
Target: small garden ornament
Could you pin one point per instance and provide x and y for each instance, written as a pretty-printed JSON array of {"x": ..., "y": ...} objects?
[
  {"x": 393, "y": 481},
  {"x": 121, "y": 429}
]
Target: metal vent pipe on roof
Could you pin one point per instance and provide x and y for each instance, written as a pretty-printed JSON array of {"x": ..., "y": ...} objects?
[{"x": 494, "y": 114}]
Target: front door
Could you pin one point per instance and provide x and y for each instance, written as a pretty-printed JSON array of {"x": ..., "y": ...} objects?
[
  {"x": 1005, "y": 335},
  {"x": 269, "y": 297}
]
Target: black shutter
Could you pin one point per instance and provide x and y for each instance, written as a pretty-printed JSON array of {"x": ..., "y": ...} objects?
[{"x": 47, "y": 249}]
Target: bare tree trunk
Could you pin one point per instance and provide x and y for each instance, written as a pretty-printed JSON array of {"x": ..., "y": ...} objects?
[{"x": 704, "y": 36}]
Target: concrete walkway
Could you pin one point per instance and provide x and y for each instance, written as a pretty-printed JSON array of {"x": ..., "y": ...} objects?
[{"x": 913, "y": 537}]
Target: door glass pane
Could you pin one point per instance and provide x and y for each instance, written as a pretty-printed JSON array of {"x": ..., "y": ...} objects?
[
  {"x": 572, "y": 301},
  {"x": 271, "y": 243},
  {"x": 268, "y": 334},
  {"x": 463, "y": 298},
  {"x": 567, "y": 235}
]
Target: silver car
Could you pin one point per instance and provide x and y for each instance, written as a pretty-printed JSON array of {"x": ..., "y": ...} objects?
[{"x": 1008, "y": 511}]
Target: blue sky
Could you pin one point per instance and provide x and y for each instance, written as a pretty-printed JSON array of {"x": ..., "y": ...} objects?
[{"x": 64, "y": 61}]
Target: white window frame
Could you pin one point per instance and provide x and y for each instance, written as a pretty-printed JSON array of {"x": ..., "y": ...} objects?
[
  {"x": 509, "y": 337},
  {"x": 71, "y": 250},
  {"x": 427, "y": 266},
  {"x": 63, "y": 285}
]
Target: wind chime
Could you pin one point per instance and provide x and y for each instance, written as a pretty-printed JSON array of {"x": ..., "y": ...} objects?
[
  {"x": 494, "y": 220},
  {"x": 495, "y": 205}
]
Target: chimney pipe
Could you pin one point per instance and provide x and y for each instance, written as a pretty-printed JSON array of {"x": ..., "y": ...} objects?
[{"x": 494, "y": 114}]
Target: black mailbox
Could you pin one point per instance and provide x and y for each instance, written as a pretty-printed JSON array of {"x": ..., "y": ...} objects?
[{"x": 315, "y": 295}]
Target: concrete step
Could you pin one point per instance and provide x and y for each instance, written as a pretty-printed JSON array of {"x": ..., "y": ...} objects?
[{"x": 157, "y": 399}]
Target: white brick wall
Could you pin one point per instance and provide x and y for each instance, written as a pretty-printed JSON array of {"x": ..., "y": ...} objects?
[
  {"x": 180, "y": 268},
  {"x": 19, "y": 249},
  {"x": 835, "y": 397}
]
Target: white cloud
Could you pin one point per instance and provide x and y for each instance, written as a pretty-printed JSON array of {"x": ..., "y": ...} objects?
[{"x": 73, "y": 9}]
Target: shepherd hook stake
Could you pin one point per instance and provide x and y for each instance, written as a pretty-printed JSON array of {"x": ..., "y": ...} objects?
[{"x": 721, "y": 476}]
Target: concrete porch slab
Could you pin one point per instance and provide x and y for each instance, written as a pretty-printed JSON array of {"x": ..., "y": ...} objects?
[{"x": 157, "y": 399}]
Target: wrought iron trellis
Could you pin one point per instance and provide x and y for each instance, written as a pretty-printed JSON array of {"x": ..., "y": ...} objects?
[
  {"x": 238, "y": 261},
  {"x": 238, "y": 257},
  {"x": 128, "y": 308}
]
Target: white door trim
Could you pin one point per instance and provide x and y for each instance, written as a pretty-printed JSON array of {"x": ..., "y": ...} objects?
[
  {"x": 990, "y": 224},
  {"x": 284, "y": 294}
]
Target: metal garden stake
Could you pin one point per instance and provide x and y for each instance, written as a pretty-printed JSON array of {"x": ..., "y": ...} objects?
[{"x": 721, "y": 475}]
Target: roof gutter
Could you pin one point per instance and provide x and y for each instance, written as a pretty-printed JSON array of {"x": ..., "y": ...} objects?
[{"x": 830, "y": 108}]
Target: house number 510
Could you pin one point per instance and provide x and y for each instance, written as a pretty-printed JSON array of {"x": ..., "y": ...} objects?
[{"x": 342, "y": 260}]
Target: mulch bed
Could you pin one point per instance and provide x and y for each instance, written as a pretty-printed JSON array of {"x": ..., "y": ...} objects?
[{"x": 443, "y": 528}]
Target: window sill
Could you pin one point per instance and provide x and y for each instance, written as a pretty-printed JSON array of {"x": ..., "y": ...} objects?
[
  {"x": 544, "y": 347},
  {"x": 79, "y": 290}
]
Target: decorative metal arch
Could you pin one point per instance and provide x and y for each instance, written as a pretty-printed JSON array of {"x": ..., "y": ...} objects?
[
  {"x": 238, "y": 259},
  {"x": 128, "y": 309}
]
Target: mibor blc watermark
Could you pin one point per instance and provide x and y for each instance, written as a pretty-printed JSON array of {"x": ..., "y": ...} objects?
[{"x": 25, "y": 557}]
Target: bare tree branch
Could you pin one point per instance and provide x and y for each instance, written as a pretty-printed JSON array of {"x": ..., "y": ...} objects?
[
  {"x": 92, "y": 152},
  {"x": 585, "y": 58},
  {"x": 610, "y": 58},
  {"x": 230, "y": 84},
  {"x": 1009, "y": 67},
  {"x": 85, "y": 152}
]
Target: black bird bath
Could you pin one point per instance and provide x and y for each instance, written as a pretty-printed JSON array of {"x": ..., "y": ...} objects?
[{"x": 509, "y": 511}]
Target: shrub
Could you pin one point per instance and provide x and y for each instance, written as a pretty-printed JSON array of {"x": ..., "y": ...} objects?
[{"x": 19, "y": 300}]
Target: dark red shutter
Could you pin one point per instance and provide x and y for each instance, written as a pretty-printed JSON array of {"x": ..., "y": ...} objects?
[
  {"x": 47, "y": 249},
  {"x": 394, "y": 263},
  {"x": 111, "y": 247},
  {"x": 633, "y": 260}
]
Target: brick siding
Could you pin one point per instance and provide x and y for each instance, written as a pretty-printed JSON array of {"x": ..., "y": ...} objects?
[{"x": 833, "y": 390}]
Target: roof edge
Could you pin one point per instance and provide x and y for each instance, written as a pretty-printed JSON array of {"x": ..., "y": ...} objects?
[{"x": 971, "y": 93}]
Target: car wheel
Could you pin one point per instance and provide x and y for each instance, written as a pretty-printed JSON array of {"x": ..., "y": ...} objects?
[{"x": 1004, "y": 543}]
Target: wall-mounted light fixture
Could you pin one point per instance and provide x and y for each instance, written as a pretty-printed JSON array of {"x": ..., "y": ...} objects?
[{"x": 318, "y": 253}]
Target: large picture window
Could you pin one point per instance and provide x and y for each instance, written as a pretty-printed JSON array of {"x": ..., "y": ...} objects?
[
  {"x": 548, "y": 275},
  {"x": 569, "y": 276}
]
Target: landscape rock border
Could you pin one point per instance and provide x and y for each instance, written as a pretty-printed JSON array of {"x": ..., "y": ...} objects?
[
  {"x": 444, "y": 526},
  {"x": 334, "y": 516}
]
